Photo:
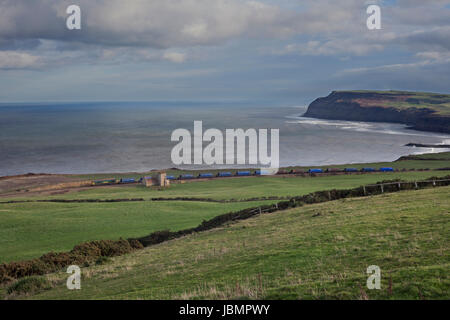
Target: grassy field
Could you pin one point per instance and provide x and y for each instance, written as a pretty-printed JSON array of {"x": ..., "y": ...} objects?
[
  {"x": 272, "y": 256},
  {"x": 240, "y": 188},
  {"x": 28, "y": 230},
  {"x": 314, "y": 252},
  {"x": 438, "y": 102},
  {"x": 443, "y": 162}
]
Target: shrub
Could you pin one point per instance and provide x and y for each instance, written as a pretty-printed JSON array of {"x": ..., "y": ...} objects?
[
  {"x": 102, "y": 260},
  {"x": 29, "y": 285}
]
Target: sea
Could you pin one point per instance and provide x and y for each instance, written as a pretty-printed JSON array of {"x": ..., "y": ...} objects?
[{"x": 108, "y": 137}]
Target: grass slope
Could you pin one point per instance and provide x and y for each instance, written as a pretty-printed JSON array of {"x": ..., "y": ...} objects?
[
  {"x": 295, "y": 254},
  {"x": 242, "y": 188},
  {"x": 399, "y": 165},
  {"x": 438, "y": 102},
  {"x": 28, "y": 230}
]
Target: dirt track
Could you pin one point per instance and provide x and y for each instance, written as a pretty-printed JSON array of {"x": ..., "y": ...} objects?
[{"x": 19, "y": 185}]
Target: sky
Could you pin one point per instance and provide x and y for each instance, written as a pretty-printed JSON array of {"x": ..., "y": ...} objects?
[{"x": 285, "y": 52}]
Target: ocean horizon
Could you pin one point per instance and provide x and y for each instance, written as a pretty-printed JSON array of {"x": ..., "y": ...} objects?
[{"x": 119, "y": 137}]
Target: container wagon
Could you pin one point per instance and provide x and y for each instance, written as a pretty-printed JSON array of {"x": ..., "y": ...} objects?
[
  {"x": 186, "y": 176},
  {"x": 243, "y": 173},
  {"x": 224, "y": 174},
  {"x": 387, "y": 169},
  {"x": 315, "y": 170},
  {"x": 350, "y": 170},
  {"x": 131, "y": 180},
  {"x": 205, "y": 175},
  {"x": 333, "y": 170},
  {"x": 105, "y": 182},
  {"x": 368, "y": 170}
]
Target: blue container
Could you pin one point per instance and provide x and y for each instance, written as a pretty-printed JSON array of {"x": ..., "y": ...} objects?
[
  {"x": 351, "y": 170},
  {"x": 170, "y": 177},
  {"x": 257, "y": 172},
  {"x": 368, "y": 170},
  {"x": 186, "y": 176},
  {"x": 243, "y": 173},
  {"x": 224, "y": 174},
  {"x": 127, "y": 180},
  {"x": 386, "y": 169},
  {"x": 205, "y": 175},
  {"x": 315, "y": 170}
]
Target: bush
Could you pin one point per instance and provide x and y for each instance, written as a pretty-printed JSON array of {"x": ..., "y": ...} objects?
[
  {"x": 29, "y": 285},
  {"x": 82, "y": 254},
  {"x": 102, "y": 260}
]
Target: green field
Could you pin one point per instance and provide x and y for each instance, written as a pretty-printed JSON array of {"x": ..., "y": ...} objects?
[
  {"x": 281, "y": 255},
  {"x": 241, "y": 188},
  {"x": 443, "y": 162},
  {"x": 28, "y": 230},
  {"x": 438, "y": 102},
  {"x": 294, "y": 254}
]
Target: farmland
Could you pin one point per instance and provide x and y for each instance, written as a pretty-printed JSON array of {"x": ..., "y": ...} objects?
[
  {"x": 402, "y": 223},
  {"x": 31, "y": 229},
  {"x": 318, "y": 251}
]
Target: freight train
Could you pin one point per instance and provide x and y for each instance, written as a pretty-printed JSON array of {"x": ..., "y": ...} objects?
[{"x": 247, "y": 173}]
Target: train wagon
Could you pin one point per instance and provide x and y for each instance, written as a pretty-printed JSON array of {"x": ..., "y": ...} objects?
[
  {"x": 368, "y": 170},
  {"x": 170, "y": 177},
  {"x": 205, "y": 175},
  {"x": 130, "y": 180},
  {"x": 333, "y": 170},
  {"x": 387, "y": 169},
  {"x": 186, "y": 176},
  {"x": 243, "y": 173},
  {"x": 350, "y": 170},
  {"x": 315, "y": 170},
  {"x": 224, "y": 174},
  {"x": 105, "y": 182}
]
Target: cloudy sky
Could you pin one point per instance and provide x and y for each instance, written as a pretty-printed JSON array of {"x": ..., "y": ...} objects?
[{"x": 279, "y": 51}]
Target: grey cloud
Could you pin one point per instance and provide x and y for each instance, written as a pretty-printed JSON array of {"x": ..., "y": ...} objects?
[
  {"x": 18, "y": 60},
  {"x": 170, "y": 23}
]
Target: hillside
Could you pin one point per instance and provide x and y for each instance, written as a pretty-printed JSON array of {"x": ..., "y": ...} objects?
[
  {"x": 311, "y": 252},
  {"x": 420, "y": 111}
]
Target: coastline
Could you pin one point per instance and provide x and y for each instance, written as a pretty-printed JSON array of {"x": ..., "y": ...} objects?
[{"x": 416, "y": 110}]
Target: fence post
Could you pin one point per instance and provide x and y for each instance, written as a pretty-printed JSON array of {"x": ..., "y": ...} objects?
[
  {"x": 364, "y": 188},
  {"x": 417, "y": 186},
  {"x": 434, "y": 183},
  {"x": 260, "y": 210},
  {"x": 399, "y": 186},
  {"x": 382, "y": 188}
]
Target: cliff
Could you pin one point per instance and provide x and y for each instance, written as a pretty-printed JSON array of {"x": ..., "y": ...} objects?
[{"x": 420, "y": 111}]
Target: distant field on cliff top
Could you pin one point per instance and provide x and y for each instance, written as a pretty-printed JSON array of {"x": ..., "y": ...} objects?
[
  {"x": 438, "y": 102},
  {"x": 318, "y": 251},
  {"x": 440, "y": 160},
  {"x": 28, "y": 230}
]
